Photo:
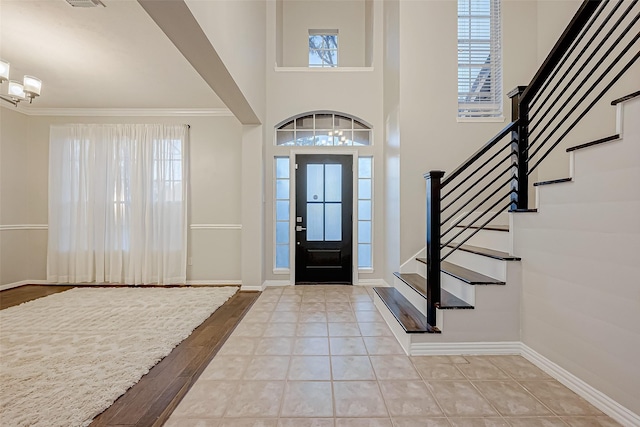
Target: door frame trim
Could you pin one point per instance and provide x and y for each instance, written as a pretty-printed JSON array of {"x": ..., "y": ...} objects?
[{"x": 329, "y": 151}]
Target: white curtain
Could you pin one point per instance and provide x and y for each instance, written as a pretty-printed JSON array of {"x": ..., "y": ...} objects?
[{"x": 118, "y": 204}]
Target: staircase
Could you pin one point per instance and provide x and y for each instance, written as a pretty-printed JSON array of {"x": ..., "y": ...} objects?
[{"x": 465, "y": 285}]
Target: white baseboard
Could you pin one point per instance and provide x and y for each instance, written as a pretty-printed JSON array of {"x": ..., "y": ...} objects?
[
  {"x": 276, "y": 283},
  {"x": 251, "y": 288},
  {"x": 466, "y": 348},
  {"x": 24, "y": 282},
  {"x": 372, "y": 282},
  {"x": 595, "y": 397},
  {"x": 213, "y": 282},
  {"x": 598, "y": 399}
]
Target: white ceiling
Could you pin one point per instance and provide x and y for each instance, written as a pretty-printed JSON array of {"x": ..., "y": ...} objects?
[{"x": 103, "y": 57}]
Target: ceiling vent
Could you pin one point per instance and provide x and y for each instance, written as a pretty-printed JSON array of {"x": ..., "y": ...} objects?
[{"x": 85, "y": 3}]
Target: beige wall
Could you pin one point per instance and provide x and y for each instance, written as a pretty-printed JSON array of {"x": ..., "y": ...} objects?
[
  {"x": 236, "y": 31},
  {"x": 215, "y": 196},
  {"x": 23, "y": 182},
  {"x": 294, "y": 91},
  {"x": 391, "y": 111},
  {"x": 581, "y": 263},
  {"x": 600, "y": 121},
  {"x": 431, "y": 138},
  {"x": 300, "y": 16}
]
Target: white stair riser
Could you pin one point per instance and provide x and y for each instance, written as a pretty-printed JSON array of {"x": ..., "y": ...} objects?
[
  {"x": 410, "y": 294},
  {"x": 403, "y": 338},
  {"x": 488, "y": 266},
  {"x": 421, "y": 268},
  {"x": 491, "y": 239},
  {"x": 462, "y": 290}
]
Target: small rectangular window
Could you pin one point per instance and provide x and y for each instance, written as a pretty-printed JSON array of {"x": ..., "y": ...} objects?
[
  {"x": 365, "y": 217},
  {"x": 323, "y": 48},
  {"x": 479, "y": 59},
  {"x": 282, "y": 213}
]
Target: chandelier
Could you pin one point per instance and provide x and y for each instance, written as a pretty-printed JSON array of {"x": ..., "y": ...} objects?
[{"x": 16, "y": 91}]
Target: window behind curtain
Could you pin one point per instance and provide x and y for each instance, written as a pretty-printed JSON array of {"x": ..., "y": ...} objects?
[
  {"x": 479, "y": 59},
  {"x": 117, "y": 204}
]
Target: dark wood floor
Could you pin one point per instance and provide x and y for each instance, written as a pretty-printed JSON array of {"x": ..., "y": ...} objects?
[{"x": 152, "y": 400}]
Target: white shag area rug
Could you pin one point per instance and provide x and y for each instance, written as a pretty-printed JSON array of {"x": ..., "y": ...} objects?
[{"x": 67, "y": 357}]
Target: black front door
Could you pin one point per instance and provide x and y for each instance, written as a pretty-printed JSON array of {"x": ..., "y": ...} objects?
[{"x": 323, "y": 228}]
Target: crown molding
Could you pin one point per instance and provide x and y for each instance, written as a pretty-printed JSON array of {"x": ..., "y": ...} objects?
[{"x": 122, "y": 112}]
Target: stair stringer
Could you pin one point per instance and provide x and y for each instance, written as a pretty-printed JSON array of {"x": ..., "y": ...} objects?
[
  {"x": 580, "y": 306},
  {"x": 495, "y": 318}
]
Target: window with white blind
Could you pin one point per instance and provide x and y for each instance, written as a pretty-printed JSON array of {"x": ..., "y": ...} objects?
[{"x": 479, "y": 59}]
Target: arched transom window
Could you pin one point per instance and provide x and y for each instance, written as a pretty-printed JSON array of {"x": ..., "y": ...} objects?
[{"x": 323, "y": 129}]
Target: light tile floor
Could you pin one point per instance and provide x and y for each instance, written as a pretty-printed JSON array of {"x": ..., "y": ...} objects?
[{"x": 322, "y": 356}]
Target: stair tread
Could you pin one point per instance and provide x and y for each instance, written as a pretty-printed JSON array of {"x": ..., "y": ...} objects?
[
  {"x": 469, "y": 276},
  {"x": 552, "y": 181},
  {"x": 491, "y": 253},
  {"x": 411, "y": 320},
  {"x": 419, "y": 284},
  {"x": 596, "y": 142},
  {"x": 487, "y": 227}
]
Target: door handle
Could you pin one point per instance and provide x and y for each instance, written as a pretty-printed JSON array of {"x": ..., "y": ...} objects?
[{"x": 300, "y": 228}]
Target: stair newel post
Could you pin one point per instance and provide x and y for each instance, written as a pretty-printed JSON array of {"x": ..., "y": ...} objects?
[
  {"x": 519, "y": 150},
  {"x": 433, "y": 243}
]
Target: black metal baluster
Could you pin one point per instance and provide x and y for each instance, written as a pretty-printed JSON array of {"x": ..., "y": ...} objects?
[{"x": 433, "y": 244}]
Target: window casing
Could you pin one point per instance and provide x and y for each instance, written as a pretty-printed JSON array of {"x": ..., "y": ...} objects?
[
  {"x": 323, "y": 48},
  {"x": 479, "y": 59}
]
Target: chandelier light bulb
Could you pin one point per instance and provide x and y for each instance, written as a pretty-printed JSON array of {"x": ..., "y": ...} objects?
[
  {"x": 32, "y": 86},
  {"x": 4, "y": 70},
  {"x": 16, "y": 90}
]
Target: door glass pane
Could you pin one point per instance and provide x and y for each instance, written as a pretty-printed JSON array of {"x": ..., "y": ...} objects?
[
  {"x": 333, "y": 183},
  {"x": 315, "y": 222},
  {"x": 341, "y": 122},
  {"x": 282, "y": 210},
  {"x": 282, "y": 232},
  {"x": 345, "y": 137},
  {"x": 364, "y": 209},
  {"x": 282, "y": 168},
  {"x": 323, "y": 138},
  {"x": 305, "y": 122},
  {"x": 333, "y": 222},
  {"x": 364, "y": 189},
  {"x": 304, "y": 137},
  {"x": 324, "y": 121},
  {"x": 361, "y": 137},
  {"x": 284, "y": 137},
  {"x": 315, "y": 183},
  {"x": 364, "y": 256},
  {"x": 364, "y": 231},
  {"x": 364, "y": 167},
  {"x": 282, "y": 189},
  {"x": 282, "y": 256}
]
